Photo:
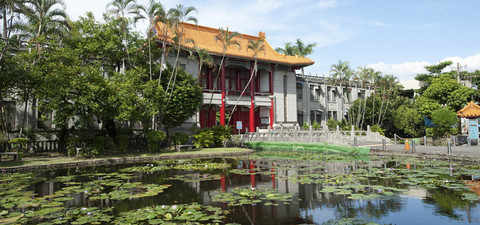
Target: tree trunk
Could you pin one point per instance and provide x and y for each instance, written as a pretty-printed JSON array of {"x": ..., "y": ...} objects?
[
  {"x": 364, "y": 109},
  {"x": 111, "y": 129}
]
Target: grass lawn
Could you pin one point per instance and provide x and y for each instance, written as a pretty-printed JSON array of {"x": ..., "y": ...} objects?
[{"x": 55, "y": 158}]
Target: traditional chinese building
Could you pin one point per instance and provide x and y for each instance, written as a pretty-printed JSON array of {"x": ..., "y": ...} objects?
[{"x": 269, "y": 100}]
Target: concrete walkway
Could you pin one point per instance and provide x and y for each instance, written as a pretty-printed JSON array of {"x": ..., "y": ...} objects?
[{"x": 462, "y": 153}]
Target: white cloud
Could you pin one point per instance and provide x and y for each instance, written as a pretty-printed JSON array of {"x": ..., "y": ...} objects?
[
  {"x": 404, "y": 71},
  {"x": 408, "y": 70},
  {"x": 326, "y": 4},
  {"x": 379, "y": 24}
]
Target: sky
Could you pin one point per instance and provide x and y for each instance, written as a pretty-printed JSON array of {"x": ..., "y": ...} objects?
[{"x": 391, "y": 36}]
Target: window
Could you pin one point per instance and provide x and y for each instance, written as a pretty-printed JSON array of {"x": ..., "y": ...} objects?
[
  {"x": 334, "y": 96},
  {"x": 318, "y": 93},
  {"x": 332, "y": 115},
  {"x": 329, "y": 97},
  {"x": 312, "y": 91},
  {"x": 312, "y": 117},
  {"x": 299, "y": 91},
  {"x": 300, "y": 118},
  {"x": 318, "y": 117}
]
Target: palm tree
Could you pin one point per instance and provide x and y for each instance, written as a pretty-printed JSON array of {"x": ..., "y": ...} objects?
[
  {"x": 43, "y": 20},
  {"x": 338, "y": 72},
  {"x": 256, "y": 46},
  {"x": 169, "y": 21},
  {"x": 226, "y": 39},
  {"x": 289, "y": 49},
  {"x": 203, "y": 58},
  {"x": 181, "y": 13},
  {"x": 375, "y": 79},
  {"x": 304, "y": 50},
  {"x": 363, "y": 74},
  {"x": 8, "y": 10},
  {"x": 152, "y": 12},
  {"x": 390, "y": 84},
  {"x": 121, "y": 9}
]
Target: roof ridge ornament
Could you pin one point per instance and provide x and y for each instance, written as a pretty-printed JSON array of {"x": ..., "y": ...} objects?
[{"x": 261, "y": 35}]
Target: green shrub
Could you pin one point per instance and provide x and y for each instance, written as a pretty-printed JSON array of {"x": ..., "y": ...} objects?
[
  {"x": 204, "y": 138},
  {"x": 179, "y": 138},
  {"x": 99, "y": 143},
  {"x": 90, "y": 152},
  {"x": 122, "y": 142},
  {"x": 305, "y": 126},
  {"x": 316, "y": 126},
  {"x": 72, "y": 144},
  {"x": 221, "y": 135},
  {"x": 378, "y": 129},
  {"x": 332, "y": 124},
  {"x": 18, "y": 144},
  {"x": 154, "y": 138}
]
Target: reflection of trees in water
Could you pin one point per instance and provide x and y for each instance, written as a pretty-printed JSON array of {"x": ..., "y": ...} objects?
[
  {"x": 347, "y": 208},
  {"x": 445, "y": 203}
]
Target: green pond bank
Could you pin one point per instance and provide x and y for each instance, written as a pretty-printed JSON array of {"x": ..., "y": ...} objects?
[
  {"x": 309, "y": 147},
  {"x": 49, "y": 163}
]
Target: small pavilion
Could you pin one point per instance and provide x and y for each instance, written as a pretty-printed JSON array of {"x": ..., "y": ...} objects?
[{"x": 471, "y": 112}]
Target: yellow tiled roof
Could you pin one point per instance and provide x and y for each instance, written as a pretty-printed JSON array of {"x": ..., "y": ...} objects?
[
  {"x": 469, "y": 111},
  {"x": 204, "y": 38}
]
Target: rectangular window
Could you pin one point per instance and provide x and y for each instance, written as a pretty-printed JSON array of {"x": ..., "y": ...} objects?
[
  {"x": 329, "y": 97},
  {"x": 300, "y": 118},
  {"x": 312, "y": 117},
  {"x": 312, "y": 91},
  {"x": 318, "y": 117},
  {"x": 318, "y": 93},
  {"x": 334, "y": 96},
  {"x": 335, "y": 115},
  {"x": 299, "y": 91}
]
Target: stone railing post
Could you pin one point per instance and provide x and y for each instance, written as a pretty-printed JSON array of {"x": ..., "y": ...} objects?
[
  {"x": 368, "y": 132},
  {"x": 283, "y": 135},
  {"x": 269, "y": 134},
  {"x": 311, "y": 133},
  {"x": 352, "y": 134},
  {"x": 257, "y": 133}
]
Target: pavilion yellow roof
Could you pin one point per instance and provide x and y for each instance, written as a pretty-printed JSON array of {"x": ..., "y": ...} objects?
[
  {"x": 204, "y": 38},
  {"x": 469, "y": 111}
]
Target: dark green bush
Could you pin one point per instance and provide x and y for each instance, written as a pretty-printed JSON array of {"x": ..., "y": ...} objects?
[
  {"x": 204, "y": 138},
  {"x": 122, "y": 142},
  {"x": 154, "y": 139},
  {"x": 221, "y": 135},
  {"x": 72, "y": 144},
  {"x": 99, "y": 143},
  {"x": 179, "y": 138}
]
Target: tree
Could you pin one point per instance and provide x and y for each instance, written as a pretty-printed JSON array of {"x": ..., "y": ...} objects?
[
  {"x": 289, "y": 49},
  {"x": 153, "y": 12},
  {"x": 444, "y": 119},
  {"x": 226, "y": 39},
  {"x": 256, "y": 46},
  {"x": 181, "y": 13},
  {"x": 426, "y": 106},
  {"x": 304, "y": 50},
  {"x": 408, "y": 120},
  {"x": 185, "y": 100},
  {"x": 121, "y": 9},
  {"x": 203, "y": 58},
  {"x": 43, "y": 21},
  {"x": 338, "y": 72}
]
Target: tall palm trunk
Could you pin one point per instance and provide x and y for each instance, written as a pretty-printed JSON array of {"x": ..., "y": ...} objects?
[
  {"x": 364, "y": 108},
  {"x": 381, "y": 108},
  {"x": 215, "y": 84},
  {"x": 252, "y": 74}
]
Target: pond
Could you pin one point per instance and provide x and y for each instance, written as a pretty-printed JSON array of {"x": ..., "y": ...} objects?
[{"x": 281, "y": 187}]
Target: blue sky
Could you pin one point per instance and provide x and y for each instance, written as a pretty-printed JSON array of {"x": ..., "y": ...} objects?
[{"x": 395, "y": 37}]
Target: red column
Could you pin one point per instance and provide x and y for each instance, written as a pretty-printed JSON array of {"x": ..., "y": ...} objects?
[
  {"x": 222, "y": 108},
  {"x": 222, "y": 182},
  {"x": 271, "y": 93},
  {"x": 252, "y": 174},
  {"x": 252, "y": 101},
  {"x": 273, "y": 176}
]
